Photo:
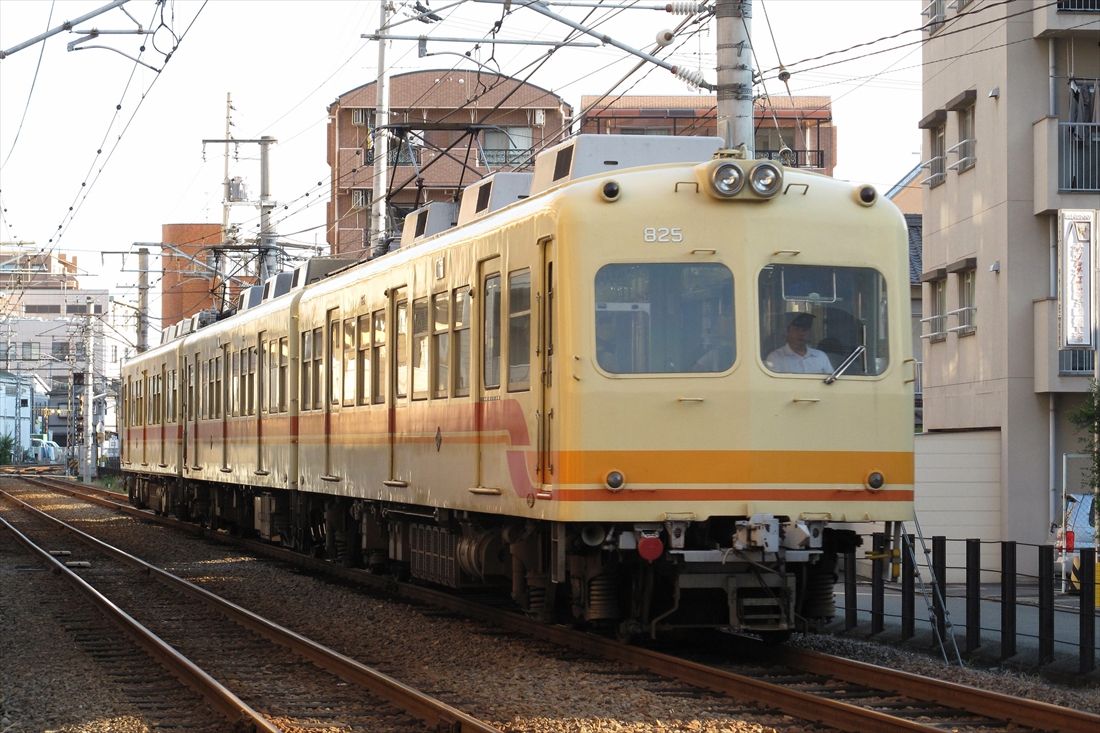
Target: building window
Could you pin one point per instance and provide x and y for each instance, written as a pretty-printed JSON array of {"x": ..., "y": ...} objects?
[
  {"x": 360, "y": 198},
  {"x": 30, "y": 350},
  {"x": 936, "y": 329},
  {"x": 964, "y": 150},
  {"x": 934, "y": 15},
  {"x": 965, "y": 277},
  {"x": 30, "y": 309},
  {"x": 645, "y": 130},
  {"x": 507, "y": 145},
  {"x": 60, "y": 350},
  {"x": 936, "y": 163}
]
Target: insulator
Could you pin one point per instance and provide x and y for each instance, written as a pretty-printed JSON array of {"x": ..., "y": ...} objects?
[
  {"x": 682, "y": 7},
  {"x": 692, "y": 77},
  {"x": 665, "y": 37}
]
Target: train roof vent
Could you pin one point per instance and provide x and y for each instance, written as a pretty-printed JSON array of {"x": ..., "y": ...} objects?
[
  {"x": 277, "y": 285},
  {"x": 205, "y": 317},
  {"x": 250, "y": 297},
  {"x": 184, "y": 327},
  {"x": 493, "y": 192},
  {"x": 586, "y": 155},
  {"x": 428, "y": 220},
  {"x": 319, "y": 268}
]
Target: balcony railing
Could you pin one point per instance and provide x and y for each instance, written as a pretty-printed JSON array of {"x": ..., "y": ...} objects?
[
  {"x": 1075, "y": 362},
  {"x": 1079, "y": 6},
  {"x": 1078, "y": 156},
  {"x": 795, "y": 158},
  {"x": 505, "y": 156}
]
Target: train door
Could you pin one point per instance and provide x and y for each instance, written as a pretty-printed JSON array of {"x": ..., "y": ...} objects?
[
  {"x": 398, "y": 402},
  {"x": 544, "y": 354},
  {"x": 258, "y": 364},
  {"x": 145, "y": 421},
  {"x": 487, "y": 381}
]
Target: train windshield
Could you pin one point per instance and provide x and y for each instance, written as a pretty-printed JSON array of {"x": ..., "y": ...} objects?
[
  {"x": 814, "y": 317},
  {"x": 661, "y": 318}
]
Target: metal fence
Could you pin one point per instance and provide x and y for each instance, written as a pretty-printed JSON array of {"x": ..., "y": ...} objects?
[
  {"x": 1076, "y": 361},
  {"x": 1078, "y": 156}
]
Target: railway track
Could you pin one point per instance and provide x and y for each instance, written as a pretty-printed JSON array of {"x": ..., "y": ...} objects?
[
  {"x": 275, "y": 680},
  {"x": 823, "y": 690}
]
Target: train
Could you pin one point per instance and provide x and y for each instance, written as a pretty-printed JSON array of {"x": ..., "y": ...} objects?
[{"x": 652, "y": 384}]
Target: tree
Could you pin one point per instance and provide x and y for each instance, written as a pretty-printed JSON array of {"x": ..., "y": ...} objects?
[
  {"x": 1087, "y": 419},
  {"x": 7, "y": 449}
]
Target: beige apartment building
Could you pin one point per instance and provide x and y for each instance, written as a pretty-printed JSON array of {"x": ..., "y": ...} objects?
[{"x": 1011, "y": 145}]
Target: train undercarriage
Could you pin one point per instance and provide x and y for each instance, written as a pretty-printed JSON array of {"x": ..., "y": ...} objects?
[{"x": 759, "y": 575}]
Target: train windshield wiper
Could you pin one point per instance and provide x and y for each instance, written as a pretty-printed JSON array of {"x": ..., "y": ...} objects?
[{"x": 845, "y": 364}]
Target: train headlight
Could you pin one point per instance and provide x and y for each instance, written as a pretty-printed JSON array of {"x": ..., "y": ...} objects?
[
  {"x": 875, "y": 480},
  {"x": 727, "y": 179},
  {"x": 615, "y": 480},
  {"x": 766, "y": 179}
]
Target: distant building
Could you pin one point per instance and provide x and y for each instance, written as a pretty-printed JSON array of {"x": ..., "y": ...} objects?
[
  {"x": 797, "y": 129},
  {"x": 447, "y": 129},
  {"x": 187, "y": 283}
]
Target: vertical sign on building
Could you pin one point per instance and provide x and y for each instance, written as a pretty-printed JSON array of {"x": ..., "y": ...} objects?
[{"x": 1076, "y": 233}]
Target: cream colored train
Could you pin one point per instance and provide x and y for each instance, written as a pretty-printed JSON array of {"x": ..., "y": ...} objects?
[{"x": 650, "y": 385}]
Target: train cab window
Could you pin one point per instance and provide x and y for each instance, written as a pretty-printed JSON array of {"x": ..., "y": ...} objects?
[
  {"x": 814, "y": 318},
  {"x": 519, "y": 330},
  {"x": 664, "y": 318},
  {"x": 378, "y": 357},
  {"x": 362, "y": 362},
  {"x": 490, "y": 355},
  {"x": 460, "y": 312},
  {"x": 420, "y": 366},
  {"x": 441, "y": 352},
  {"x": 401, "y": 335}
]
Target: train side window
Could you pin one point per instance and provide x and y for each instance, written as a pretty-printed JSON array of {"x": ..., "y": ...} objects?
[
  {"x": 362, "y": 361},
  {"x": 261, "y": 373},
  {"x": 441, "y": 355},
  {"x": 284, "y": 362},
  {"x": 401, "y": 334},
  {"x": 231, "y": 404},
  {"x": 335, "y": 344},
  {"x": 204, "y": 389},
  {"x": 242, "y": 395},
  {"x": 253, "y": 359},
  {"x": 173, "y": 396},
  {"x": 318, "y": 361},
  {"x": 190, "y": 391},
  {"x": 420, "y": 365},
  {"x": 519, "y": 330},
  {"x": 217, "y": 386},
  {"x": 490, "y": 361},
  {"x": 461, "y": 315},
  {"x": 307, "y": 365},
  {"x": 378, "y": 357},
  {"x": 274, "y": 398},
  {"x": 349, "y": 361}
]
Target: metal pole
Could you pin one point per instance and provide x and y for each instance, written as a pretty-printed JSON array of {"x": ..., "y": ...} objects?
[
  {"x": 86, "y": 474},
  {"x": 66, "y": 26},
  {"x": 268, "y": 262},
  {"x": 380, "y": 145},
  {"x": 143, "y": 301},
  {"x": 734, "y": 23}
]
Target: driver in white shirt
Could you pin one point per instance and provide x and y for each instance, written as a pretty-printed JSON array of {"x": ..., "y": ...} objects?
[{"x": 797, "y": 356}]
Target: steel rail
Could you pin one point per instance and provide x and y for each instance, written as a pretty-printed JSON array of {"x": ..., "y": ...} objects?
[
  {"x": 435, "y": 713},
  {"x": 806, "y": 706},
  {"x": 221, "y": 698}
]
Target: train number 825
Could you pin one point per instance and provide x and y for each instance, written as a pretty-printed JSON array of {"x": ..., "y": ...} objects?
[{"x": 662, "y": 235}]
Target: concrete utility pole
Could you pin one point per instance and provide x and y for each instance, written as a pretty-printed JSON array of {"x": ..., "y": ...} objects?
[
  {"x": 143, "y": 301},
  {"x": 86, "y": 474},
  {"x": 380, "y": 144},
  {"x": 735, "y": 123}
]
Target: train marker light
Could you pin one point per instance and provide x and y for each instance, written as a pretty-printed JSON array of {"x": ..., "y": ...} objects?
[
  {"x": 766, "y": 179},
  {"x": 866, "y": 195},
  {"x": 650, "y": 546},
  {"x": 610, "y": 191},
  {"x": 727, "y": 179},
  {"x": 875, "y": 480},
  {"x": 615, "y": 480}
]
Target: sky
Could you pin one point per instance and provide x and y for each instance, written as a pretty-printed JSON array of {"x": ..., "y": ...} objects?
[{"x": 98, "y": 151}]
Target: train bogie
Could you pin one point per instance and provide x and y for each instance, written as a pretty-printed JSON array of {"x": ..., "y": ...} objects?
[{"x": 642, "y": 396}]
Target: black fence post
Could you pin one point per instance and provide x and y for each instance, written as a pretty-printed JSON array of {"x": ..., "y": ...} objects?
[
  {"x": 878, "y": 585},
  {"x": 1087, "y": 574},
  {"x": 1046, "y": 604},
  {"x": 973, "y": 595},
  {"x": 908, "y": 589},
  {"x": 939, "y": 600},
  {"x": 850, "y": 601},
  {"x": 1008, "y": 599}
]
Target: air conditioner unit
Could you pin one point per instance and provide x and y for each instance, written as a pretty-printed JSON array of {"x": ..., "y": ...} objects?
[
  {"x": 360, "y": 117},
  {"x": 359, "y": 198},
  {"x": 540, "y": 117}
]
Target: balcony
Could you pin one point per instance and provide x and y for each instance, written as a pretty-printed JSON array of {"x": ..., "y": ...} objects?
[
  {"x": 1064, "y": 18},
  {"x": 1067, "y": 164},
  {"x": 1057, "y": 369},
  {"x": 494, "y": 157}
]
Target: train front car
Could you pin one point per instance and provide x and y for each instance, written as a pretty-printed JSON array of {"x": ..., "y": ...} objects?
[{"x": 733, "y": 393}]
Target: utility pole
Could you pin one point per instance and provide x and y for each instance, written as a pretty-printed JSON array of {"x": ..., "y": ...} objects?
[
  {"x": 143, "y": 301},
  {"x": 735, "y": 124},
  {"x": 86, "y": 474},
  {"x": 380, "y": 144}
]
